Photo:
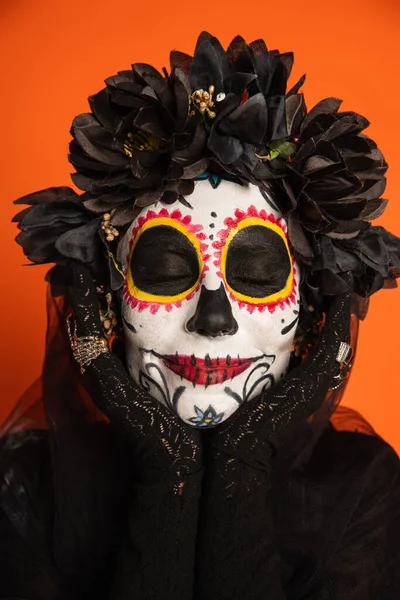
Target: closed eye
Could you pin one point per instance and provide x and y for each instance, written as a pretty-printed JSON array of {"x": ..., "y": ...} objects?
[
  {"x": 164, "y": 262},
  {"x": 258, "y": 264}
]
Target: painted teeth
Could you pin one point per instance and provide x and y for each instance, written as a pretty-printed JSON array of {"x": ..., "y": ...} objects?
[
  {"x": 192, "y": 361},
  {"x": 195, "y": 378}
]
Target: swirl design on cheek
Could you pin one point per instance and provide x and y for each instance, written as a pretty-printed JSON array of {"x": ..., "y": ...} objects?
[
  {"x": 260, "y": 285},
  {"x": 152, "y": 294}
]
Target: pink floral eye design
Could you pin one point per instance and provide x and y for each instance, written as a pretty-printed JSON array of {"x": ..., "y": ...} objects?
[
  {"x": 254, "y": 260},
  {"x": 166, "y": 261}
]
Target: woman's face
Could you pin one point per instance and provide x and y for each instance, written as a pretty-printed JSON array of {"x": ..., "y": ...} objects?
[{"x": 210, "y": 301}]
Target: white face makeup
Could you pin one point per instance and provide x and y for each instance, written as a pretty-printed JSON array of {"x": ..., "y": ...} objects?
[{"x": 210, "y": 301}]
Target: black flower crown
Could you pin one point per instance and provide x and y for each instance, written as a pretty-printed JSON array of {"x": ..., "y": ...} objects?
[{"x": 149, "y": 136}]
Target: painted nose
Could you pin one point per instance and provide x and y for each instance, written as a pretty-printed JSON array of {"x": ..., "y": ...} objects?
[{"x": 213, "y": 316}]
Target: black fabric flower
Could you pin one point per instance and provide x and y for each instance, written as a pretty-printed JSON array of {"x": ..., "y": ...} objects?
[
  {"x": 251, "y": 109},
  {"x": 336, "y": 178},
  {"x": 234, "y": 107},
  {"x": 372, "y": 257},
  {"x": 57, "y": 227},
  {"x": 138, "y": 143}
]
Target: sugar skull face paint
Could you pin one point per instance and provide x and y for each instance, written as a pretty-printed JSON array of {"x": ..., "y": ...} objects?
[{"x": 210, "y": 302}]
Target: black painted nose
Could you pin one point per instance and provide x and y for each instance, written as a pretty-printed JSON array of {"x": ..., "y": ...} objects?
[{"x": 213, "y": 316}]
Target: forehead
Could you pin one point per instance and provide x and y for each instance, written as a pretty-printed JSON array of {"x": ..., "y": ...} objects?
[
  {"x": 217, "y": 203},
  {"x": 221, "y": 202}
]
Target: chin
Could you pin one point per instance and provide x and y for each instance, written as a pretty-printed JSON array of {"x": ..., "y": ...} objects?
[{"x": 204, "y": 392}]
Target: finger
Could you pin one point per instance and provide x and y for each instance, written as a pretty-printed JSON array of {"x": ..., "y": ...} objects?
[
  {"x": 84, "y": 302},
  {"x": 151, "y": 427}
]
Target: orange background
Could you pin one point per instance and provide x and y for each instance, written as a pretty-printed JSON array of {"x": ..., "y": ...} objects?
[{"x": 54, "y": 54}]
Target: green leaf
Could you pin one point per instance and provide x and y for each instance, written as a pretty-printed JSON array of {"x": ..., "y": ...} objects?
[{"x": 282, "y": 148}]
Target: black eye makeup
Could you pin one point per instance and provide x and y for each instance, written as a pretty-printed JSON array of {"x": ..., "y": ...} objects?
[
  {"x": 165, "y": 262},
  {"x": 257, "y": 262}
]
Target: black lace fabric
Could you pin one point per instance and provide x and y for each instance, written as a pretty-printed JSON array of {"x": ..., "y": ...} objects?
[{"x": 95, "y": 503}]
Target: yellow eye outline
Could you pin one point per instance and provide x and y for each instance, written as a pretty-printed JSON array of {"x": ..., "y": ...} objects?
[
  {"x": 159, "y": 299},
  {"x": 281, "y": 294}
]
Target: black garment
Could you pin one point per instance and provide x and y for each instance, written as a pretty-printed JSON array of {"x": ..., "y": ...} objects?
[
  {"x": 312, "y": 516},
  {"x": 336, "y": 526}
]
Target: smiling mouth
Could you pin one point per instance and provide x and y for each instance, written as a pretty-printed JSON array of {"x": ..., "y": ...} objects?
[{"x": 207, "y": 371}]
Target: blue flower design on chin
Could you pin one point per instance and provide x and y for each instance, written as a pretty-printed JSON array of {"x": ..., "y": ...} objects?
[{"x": 206, "y": 418}]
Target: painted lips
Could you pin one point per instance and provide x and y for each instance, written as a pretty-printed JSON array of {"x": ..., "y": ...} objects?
[{"x": 207, "y": 371}]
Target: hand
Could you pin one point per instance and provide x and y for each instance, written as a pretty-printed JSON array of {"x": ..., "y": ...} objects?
[
  {"x": 249, "y": 434},
  {"x": 160, "y": 439}
]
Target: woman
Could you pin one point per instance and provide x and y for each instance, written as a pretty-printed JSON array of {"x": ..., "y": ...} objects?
[{"x": 186, "y": 440}]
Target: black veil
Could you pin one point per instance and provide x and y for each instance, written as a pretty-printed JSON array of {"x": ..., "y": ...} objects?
[{"x": 87, "y": 462}]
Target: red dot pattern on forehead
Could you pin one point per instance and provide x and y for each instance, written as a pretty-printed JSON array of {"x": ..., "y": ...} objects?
[{"x": 223, "y": 235}]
